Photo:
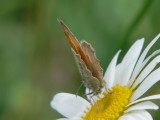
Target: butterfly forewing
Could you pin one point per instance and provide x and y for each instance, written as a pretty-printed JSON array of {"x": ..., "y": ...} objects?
[{"x": 73, "y": 42}]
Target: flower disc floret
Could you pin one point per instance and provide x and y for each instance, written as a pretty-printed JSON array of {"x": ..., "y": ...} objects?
[{"x": 111, "y": 106}]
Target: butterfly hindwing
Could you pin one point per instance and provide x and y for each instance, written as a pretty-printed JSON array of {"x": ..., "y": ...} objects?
[{"x": 88, "y": 79}]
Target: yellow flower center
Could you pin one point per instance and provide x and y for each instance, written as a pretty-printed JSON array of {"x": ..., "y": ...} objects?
[{"x": 111, "y": 106}]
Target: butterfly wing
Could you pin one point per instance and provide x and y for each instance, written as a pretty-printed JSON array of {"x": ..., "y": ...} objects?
[
  {"x": 89, "y": 80},
  {"x": 93, "y": 62},
  {"x": 73, "y": 42},
  {"x": 87, "y": 61}
]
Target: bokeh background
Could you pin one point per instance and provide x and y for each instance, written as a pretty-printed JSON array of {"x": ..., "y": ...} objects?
[{"x": 35, "y": 58}]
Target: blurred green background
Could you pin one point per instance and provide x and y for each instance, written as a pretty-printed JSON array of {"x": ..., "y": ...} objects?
[{"x": 35, "y": 58}]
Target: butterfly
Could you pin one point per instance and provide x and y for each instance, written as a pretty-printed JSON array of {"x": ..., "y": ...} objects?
[{"x": 88, "y": 64}]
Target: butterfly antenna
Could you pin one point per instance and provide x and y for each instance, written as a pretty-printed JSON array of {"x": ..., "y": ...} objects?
[{"x": 79, "y": 89}]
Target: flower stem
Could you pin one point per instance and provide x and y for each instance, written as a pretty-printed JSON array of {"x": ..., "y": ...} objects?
[{"x": 134, "y": 24}]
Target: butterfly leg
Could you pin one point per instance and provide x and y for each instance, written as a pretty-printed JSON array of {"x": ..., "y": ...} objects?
[{"x": 91, "y": 97}]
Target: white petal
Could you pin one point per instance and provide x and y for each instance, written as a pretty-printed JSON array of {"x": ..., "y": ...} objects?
[
  {"x": 146, "y": 84},
  {"x": 137, "y": 115},
  {"x": 148, "y": 58},
  {"x": 129, "y": 62},
  {"x": 138, "y": 67},
  {"x": 152, "y": 97},
  {"x": 69, "y": 105},
  {"x": 147, "y": 115},
  {"x": 109, "y": 76},
  {"x": 127, "y": 71},
  {"x": 142, "y": 115},
  {"x": 118, "y": 72},
  {"x": 146, "y": 71},
  {"x": 127, "y": 117},
  {"x": 142, "y": 106}
]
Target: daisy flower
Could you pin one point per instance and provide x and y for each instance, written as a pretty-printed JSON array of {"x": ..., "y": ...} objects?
[{"x": 120, "y": 99}]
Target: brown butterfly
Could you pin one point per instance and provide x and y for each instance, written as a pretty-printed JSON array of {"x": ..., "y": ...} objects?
[{"x": 88, "y": 64}]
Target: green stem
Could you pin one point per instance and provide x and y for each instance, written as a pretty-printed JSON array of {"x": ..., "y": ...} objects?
[{"x": 135, "y": 23}]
